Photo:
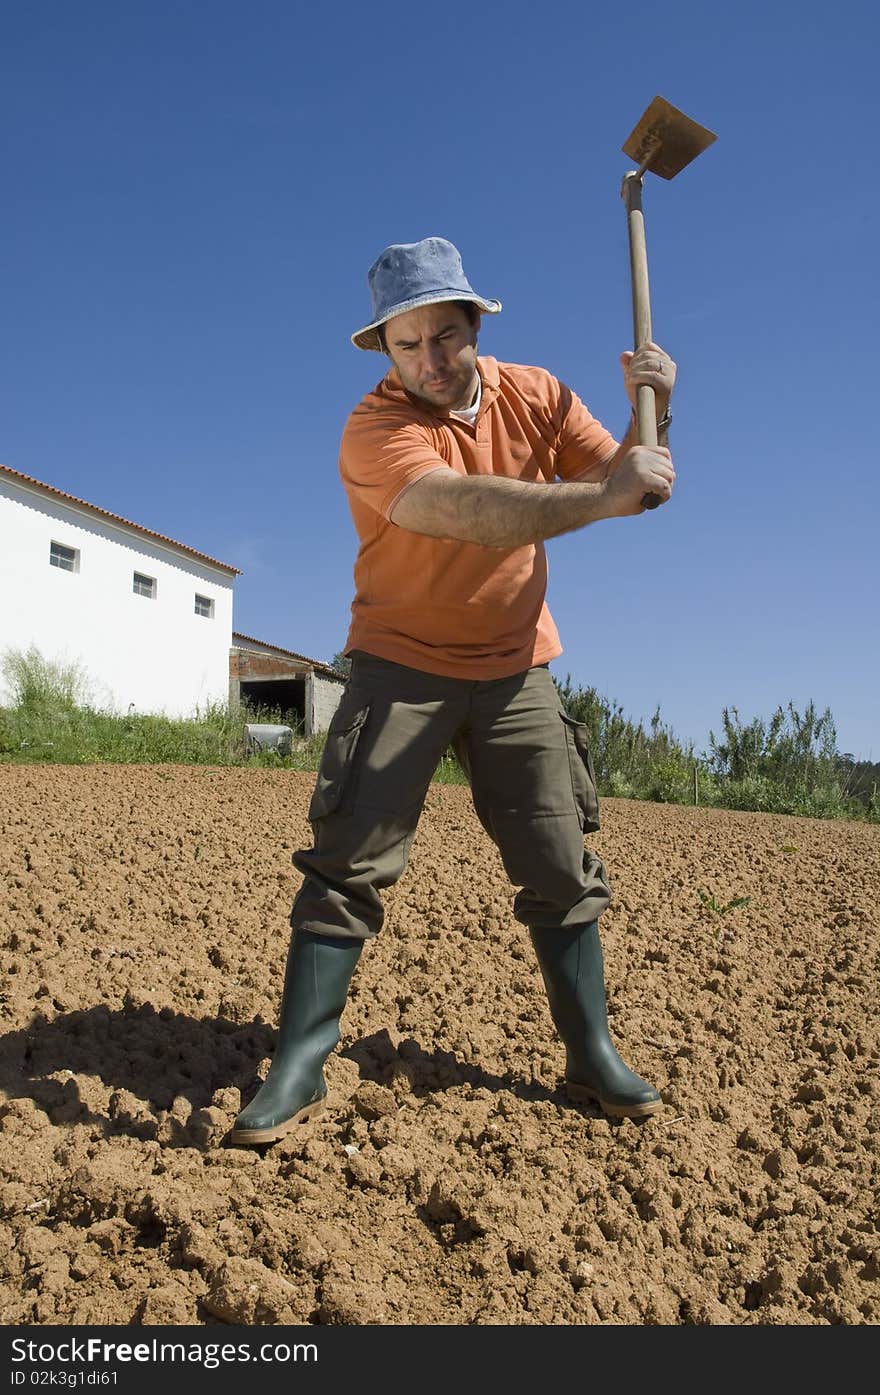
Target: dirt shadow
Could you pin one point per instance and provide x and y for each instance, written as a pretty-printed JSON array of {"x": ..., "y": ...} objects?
[
  {"x": 155, "y": 1057},
  {"x": 429, "y": 1071},
  {"x": 152, "y": 1056}
]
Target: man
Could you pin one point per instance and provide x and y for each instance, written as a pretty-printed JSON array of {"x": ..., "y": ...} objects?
[{"x": 457, "y": 467}]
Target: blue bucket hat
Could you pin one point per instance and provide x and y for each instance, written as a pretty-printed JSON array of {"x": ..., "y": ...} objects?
[{"x": 409, "y": 274}]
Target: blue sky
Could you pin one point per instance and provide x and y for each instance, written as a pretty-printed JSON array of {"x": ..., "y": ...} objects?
[{"x": 193, "y": 195}]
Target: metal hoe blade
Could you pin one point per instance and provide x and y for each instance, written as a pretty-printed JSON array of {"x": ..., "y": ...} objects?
[{"x": 665, "y": 140}]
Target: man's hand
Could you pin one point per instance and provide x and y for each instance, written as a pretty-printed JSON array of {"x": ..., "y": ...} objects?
[
  {"x": 649, "y": 366},
  {"x": 643, "y": 470}
]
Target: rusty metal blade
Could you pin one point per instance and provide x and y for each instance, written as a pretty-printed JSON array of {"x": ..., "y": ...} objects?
[{"x": 665, "y": 140}]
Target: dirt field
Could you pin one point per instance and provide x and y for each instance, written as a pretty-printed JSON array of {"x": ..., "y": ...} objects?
[{"x": 142, "y": 947}]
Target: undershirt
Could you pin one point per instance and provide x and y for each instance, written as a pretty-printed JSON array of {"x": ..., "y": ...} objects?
[{"x": 469, "y": 414}]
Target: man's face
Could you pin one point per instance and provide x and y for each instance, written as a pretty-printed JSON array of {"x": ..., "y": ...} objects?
[{"x": 434, "y": 349}]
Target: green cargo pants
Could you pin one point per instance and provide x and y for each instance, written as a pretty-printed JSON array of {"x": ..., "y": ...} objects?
[{"x": 532, "y": 784}]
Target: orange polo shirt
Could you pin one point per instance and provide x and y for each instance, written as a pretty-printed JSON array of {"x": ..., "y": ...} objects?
[{"x": 456, "y": 608}]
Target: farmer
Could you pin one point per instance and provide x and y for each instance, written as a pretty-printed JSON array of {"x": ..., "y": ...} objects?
[{"x": 457, "y": 467}]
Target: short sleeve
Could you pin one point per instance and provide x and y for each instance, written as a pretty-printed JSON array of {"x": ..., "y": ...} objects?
[
  {"x": 381, "y": 455},
  {"x": 584, "y": 448}
]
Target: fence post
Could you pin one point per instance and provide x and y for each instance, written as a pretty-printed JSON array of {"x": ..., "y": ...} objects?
[{"x": 696, "y": 785}]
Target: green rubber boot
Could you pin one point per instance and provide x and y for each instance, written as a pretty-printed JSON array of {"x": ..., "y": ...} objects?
[
  {"x": 316, "y": 983},
  {"x": 572, "y": 966}
]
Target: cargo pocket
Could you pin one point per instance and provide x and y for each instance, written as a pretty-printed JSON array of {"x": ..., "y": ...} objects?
[
  {"x": 583, "y": 776},
  {"x": 334, "y": 775}
]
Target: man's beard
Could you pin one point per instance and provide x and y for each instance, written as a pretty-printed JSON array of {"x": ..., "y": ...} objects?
[{"x": 454, "y": 395}]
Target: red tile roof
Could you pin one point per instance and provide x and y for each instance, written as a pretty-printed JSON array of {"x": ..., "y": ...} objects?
[
  {"x": 105, "y": 513},
  {"x": 276, "y": 649}
]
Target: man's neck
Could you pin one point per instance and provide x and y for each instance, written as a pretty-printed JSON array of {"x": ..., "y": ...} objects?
[{"x": 469, "y": 413}]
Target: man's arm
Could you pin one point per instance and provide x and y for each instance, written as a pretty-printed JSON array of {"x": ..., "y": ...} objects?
[{"x": 497, "y": 512}]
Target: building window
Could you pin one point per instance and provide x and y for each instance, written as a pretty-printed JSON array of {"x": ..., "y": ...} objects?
[
  {"x": 67, "y": 558},
  {"x": 144, "y": 585},
  {"x": 204, "y": 606}
]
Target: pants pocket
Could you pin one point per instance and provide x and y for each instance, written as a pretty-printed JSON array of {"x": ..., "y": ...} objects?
[
  {"x": 334, "y": 775},
  {"x": 583, "y": 776}
]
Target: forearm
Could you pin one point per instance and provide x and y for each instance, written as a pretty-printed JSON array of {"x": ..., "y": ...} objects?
[{"x": 497, "y": 512}]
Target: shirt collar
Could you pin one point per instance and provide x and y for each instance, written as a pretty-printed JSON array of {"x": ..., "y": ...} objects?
[{"x": 489, "y": 376}]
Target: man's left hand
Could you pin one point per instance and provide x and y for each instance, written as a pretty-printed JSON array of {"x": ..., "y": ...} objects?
[{"x": 649, "y": 366}]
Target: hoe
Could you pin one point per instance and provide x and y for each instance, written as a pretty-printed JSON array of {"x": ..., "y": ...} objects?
[{"x": 663, "y": 141}]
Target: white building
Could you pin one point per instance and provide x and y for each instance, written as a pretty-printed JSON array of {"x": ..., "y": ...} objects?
[{"x": 147, "y": 619}]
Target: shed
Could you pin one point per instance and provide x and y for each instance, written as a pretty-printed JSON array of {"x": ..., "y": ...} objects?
[{"x": 305, "y": 692}]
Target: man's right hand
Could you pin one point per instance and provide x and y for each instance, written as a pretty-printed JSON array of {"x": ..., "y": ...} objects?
[{"x": 643, "y": 470}]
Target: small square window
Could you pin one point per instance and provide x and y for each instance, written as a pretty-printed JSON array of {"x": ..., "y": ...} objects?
[
  {"x": 204, "y": 606},
  {"x": 67, "y": 558},
  {"x": 144, "y": 585}
]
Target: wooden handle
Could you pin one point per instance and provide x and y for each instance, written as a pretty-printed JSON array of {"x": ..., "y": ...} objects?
[{"x": 646, "y": 410}]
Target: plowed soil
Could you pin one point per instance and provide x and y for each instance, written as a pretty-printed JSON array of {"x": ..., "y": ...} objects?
[{"x": 142, "y": 947}]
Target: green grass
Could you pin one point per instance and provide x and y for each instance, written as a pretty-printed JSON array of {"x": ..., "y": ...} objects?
[
  {"x": 787, "y": 766},
  {"x": 716, "y": 907},
  {"x": 51, "y": 719}
]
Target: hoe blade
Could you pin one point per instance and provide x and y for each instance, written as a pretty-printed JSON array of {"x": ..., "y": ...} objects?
[{"x": 665, "y": 140}]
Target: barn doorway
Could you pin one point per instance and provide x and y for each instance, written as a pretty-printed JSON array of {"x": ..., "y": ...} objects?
[{"x": 276, "y": 699}]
